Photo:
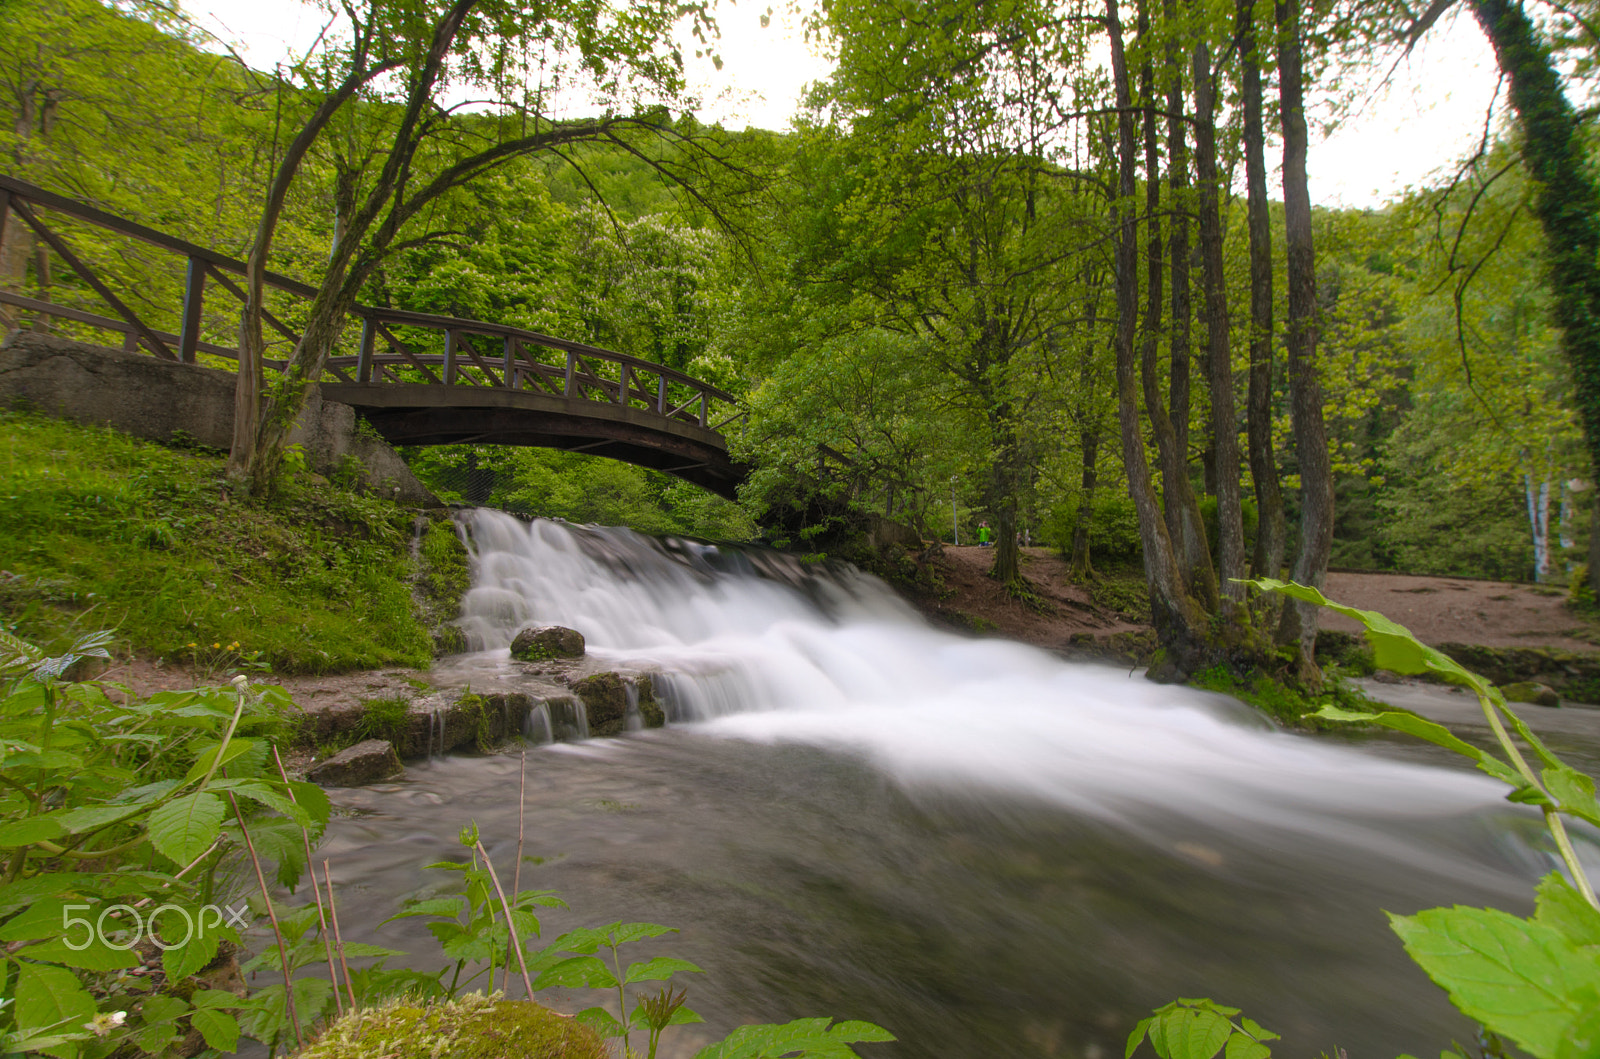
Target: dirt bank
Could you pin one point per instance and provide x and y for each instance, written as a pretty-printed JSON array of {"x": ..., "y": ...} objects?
[{"x": 1437, "y": 609}]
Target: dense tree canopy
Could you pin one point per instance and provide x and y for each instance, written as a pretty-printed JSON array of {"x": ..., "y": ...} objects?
[{"x": 1019, "y": 263}]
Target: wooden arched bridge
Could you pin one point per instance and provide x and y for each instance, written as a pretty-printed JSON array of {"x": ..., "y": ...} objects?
[{"x": 419, "y": 379}]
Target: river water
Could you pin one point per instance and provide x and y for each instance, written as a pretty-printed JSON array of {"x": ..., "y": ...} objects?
[{"x": 984, "y": 849}]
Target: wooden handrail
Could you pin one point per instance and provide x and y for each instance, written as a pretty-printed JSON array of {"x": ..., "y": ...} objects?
[{"x": 17, "y": 193}]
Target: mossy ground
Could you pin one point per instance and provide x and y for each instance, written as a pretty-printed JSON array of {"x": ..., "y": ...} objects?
[
  {"x": 103, "y": 530},
  {"x": 472, "y": 1027},
  {"x": 1285, "y": 704}
]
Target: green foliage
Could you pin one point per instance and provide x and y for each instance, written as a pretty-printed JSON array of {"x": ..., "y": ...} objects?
[
  {"x": 1113, "y": 527},
  {"x": 1292, "y": 706},
  {"x": 381, "y": 719},
  {"x": 1199, "y": 1029},
  {"x": 110, "y": 530},
  {"x": 579, "y": 488},
  {"x": 109, "y": 803}
]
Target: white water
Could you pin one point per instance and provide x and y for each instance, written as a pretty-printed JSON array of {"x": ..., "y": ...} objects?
[{"x": 839, "y": 661}]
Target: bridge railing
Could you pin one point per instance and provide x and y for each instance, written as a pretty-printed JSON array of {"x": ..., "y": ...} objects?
[{"x": 396, "y": 346}]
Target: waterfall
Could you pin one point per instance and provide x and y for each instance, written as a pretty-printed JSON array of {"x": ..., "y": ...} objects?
[{"x": 757, "y": 646}]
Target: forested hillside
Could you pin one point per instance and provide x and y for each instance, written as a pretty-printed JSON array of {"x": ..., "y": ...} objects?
[{"x": 943, "y": 295}]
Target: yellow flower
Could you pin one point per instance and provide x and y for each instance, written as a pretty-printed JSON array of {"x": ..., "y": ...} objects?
[
  {"x": 216, "y": 645},
  {"x": 194, "y": 645}
]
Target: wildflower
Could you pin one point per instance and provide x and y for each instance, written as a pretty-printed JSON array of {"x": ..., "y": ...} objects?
[
  {"x": 102, "y": 1024},
  {"x": 194, "y": 645},
  {"x": 234, "y": 646},
  {"x": 215, "y": 645}
]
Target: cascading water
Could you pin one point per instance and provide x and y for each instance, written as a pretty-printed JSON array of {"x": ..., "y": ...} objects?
[
  {"x": 834, "y": 658},
  {"x": 975, "y": 844}
]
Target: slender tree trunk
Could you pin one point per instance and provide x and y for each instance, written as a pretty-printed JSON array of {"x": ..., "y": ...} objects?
[
  {"x": 1299, "y": 625},
  {"x": 1224, "y": 434},
  {"x": 1178, "y": 245},
  {"x": 1178, "y": 619},
  {"x": 1271, "y": 533},
  {"x": 1566, "y": 198},
  {"x": 1182, "y": 510}
]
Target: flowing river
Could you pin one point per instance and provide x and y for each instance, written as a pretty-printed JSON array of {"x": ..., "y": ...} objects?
[{"x": 986, "y": 850}]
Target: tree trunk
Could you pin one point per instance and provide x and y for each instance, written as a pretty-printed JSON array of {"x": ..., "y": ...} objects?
[
  {"x": 1182, "y": 510},
  {"x": 1178, "y": 246},
  {"x": 1299, "y": 625},
  {"x": 1219, "y": 355},
  {"x": 1566, "y": 198},
  {"x": 1179, "y": 621},
  {"x": 1271, "y": 534}
]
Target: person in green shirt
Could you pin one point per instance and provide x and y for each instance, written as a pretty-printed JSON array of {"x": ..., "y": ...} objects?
[{"x": 985, "y": 535}]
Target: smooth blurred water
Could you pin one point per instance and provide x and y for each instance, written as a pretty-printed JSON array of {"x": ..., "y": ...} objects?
[{"x": 981, "y": 847}]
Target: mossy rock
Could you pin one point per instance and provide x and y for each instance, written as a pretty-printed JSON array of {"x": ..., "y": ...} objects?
[
  {"x": 605, "y": 703},
  {"x": 472, "y": 1027},
  {"x": 1531, "y": 692},
  {"x": 541, "y": 643}
]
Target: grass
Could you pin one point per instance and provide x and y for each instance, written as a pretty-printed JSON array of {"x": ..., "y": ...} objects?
[{"x": 104, "y": 530}]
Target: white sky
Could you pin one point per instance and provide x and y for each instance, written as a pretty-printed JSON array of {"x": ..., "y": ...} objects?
[{"x": 1429, "y": 114}]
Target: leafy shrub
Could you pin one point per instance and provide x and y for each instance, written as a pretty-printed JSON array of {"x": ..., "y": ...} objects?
[{"x": 1534, "y": 981}]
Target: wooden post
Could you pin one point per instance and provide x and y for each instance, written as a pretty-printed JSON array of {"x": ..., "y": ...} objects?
[
  {"x": 572, "y": 370},
  {"x": 449, "y": 356},
  {"x": 705, "y": 407},
  {"x": 622, "y": 391},
  {"x": 511, "y": 363},
  {"x": 194, "y": 290},
  {"x": 661, "y": 398},
  {"x": 369, "y": 338}
]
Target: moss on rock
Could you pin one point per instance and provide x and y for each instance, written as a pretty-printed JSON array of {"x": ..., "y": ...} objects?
[{"x": 472, "y": 1027}]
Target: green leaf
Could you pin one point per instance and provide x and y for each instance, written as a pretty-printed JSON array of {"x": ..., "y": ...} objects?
[
  {"x": 601, "y": 1021},
  {"x": 203, "y": 764},
  {"x": 184, "y": 959},
  {"x": 28, "y": 830},
  {"x": 1190, "y": 1033},
  {"x": 448, "y": 907},
  {"x": 1573, "y": 791},
  {"x": 622, "y": 933},
  {"x": 1437, "y": 734},
  {"x": 96, "y": 956},
  {"x": 1242, "y": 1047},
  {"x": 1522, "y": 979},
  {"x": 50, "y": 998},
  {"x": 1393, "y": 646},
  {"x": 659, "y": 969},
  {"x": 1136, "y": 1038},
  {"x": 1256, "y": 1030},
  {"x": 220, "y": 1029},
  {"x": 806, "y": 1036},
  {"x": 161, "y": 1015},
  {"x": 184, "y": 828},
  {"x": 91, "y": 817},
  {"x": 578, "y": 971},
  {"x": 1564, "y": 909},
  {"x": 26, "y": 891}
]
